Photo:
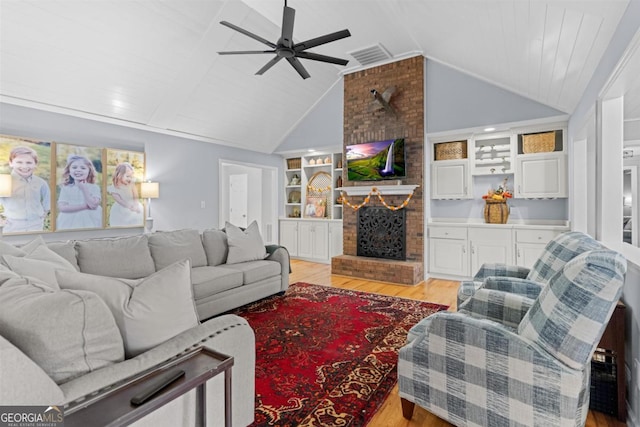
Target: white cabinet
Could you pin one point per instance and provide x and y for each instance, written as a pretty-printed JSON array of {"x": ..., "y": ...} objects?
[
  {"x": 541, "y": 175},
  {"x": 530, "y": 243},
  {"x": 448, "y": 251},
  {"x": 490, "y": 245},
  {"x": 541, "y": 164},
  {"x": 461, "y": 249},
  {"x": 289, "y": 236},
  {"x": 450, "y": 179},
  {"x": 335, "y": 239},
  {"x": 313, "y": 240}
]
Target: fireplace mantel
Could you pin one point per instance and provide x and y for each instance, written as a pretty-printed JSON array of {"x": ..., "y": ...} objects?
[{"x": 385, "y": 190}]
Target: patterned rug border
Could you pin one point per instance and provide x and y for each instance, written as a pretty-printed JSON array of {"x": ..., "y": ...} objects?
[{"x": 389, "y": 377}]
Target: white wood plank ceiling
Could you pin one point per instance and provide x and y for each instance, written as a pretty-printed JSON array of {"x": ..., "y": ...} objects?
[{"x": 153, "y": 63}]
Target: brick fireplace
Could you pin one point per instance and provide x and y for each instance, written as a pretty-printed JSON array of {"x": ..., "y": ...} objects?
[{"x": 362, "y": 125}]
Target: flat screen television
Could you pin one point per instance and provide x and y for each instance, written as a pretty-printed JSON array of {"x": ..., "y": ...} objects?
[{"x": 375, "y": 161}]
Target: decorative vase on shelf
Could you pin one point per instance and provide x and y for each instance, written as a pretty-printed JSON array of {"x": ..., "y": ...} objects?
[
  {"x": 339, "y": 182},
  {"x": 327, "y": 160},
  {"x": 312, "y": 162}
]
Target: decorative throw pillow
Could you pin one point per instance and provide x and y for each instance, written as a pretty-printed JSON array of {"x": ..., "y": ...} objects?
[
  {"x": 148, "y": 311},
  {"x": 216, "y": 246},
  {"x": 168, "y": 247},
  {"x": 244, "y": 245},
  {"x": 41, "y": 263},
  {"x": 55, "y": 330}
]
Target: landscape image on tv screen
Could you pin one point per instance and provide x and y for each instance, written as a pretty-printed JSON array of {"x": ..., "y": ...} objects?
[{"x": 374, "y": 161}]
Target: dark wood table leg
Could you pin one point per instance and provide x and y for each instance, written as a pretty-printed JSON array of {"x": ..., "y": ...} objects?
[
  {"x": 227, "y": 397},
  {"x": 201, "y": 405}
]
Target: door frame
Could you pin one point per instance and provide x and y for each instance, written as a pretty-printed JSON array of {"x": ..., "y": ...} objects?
[{"x": 269, "y": 216}]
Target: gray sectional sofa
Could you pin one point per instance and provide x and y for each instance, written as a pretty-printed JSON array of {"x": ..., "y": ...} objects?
[{"x": 77, "y": 317}]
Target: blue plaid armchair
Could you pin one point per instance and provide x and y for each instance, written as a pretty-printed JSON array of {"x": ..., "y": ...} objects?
[
  {"x": 526, "y": 365},
  {"x": 555, "y": 255}
]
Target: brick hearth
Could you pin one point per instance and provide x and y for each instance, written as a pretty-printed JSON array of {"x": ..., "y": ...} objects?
[
  {"x": 360, "y": 126},
  {"x": 403, "y": 272}
]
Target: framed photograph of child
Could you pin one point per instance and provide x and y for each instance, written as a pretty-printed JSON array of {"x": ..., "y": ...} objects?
[
  {"x": 28, "y": 208},
  {"x": 125, "y": 171},
  {"x": 79, "y": 185}
]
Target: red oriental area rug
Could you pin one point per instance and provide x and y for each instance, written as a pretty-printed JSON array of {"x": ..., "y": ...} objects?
[{"x": 327, "y": 356}]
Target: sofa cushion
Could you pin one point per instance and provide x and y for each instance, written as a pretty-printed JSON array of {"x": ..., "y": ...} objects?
[
  {"x": 254, "y": 271},
  {"x": 244, "y": 245},
  {"x": 67, "y": 333},
  {"x": 126, "y": 257},
  {"x": 66, "y": 250},
  {"x": 168, "y": 247},
  {"x": 216, "y": 246},
  {"x": 147, "y": 311},
  {"x": 41, "y": 263},
  {"x": 209, "y": 281}
]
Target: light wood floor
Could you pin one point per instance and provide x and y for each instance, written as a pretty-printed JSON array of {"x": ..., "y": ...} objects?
[{"x": 433, "y": 290}]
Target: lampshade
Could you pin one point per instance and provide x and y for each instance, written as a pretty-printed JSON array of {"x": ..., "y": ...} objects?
[
  {"x": 5, "y": 185},
  {"x": 150, "y": 190}
]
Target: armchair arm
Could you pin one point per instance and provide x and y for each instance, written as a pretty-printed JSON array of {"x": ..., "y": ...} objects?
[
  {"x": 488, "y": 369},
  {"x": 503, "y": 270},
  {"x": 505, "y": 308},
  {"x": 524, "y": 287}
]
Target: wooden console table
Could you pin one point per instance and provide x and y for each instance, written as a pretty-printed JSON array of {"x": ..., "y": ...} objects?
[
  {"x": 613, "y": 340},
  {"x": 114, "y": 408}
]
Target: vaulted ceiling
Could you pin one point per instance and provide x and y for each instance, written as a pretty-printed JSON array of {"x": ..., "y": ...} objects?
[{"x": 154, "y": 63}]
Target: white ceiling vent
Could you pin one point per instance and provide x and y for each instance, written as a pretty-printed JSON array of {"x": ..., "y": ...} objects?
[{"x": 371, "y": 54}]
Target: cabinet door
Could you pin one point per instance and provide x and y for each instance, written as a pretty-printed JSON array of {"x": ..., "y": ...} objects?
[
  {"x": 541, "y": 175},
  {"x": 450, "y": 179},
  {"x": 305, "y": 239},
  {"x": 489, "y": 245},
  {"x": 289, "y": 236},
  {"x": 448, "y": 256},
  {"x": 528, "y": 253},
  {"x": 320, "y": 248},
  {"x": 335, "y": 239}
]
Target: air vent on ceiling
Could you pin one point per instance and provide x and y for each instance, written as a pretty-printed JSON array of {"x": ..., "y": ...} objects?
[{"x": 371, "y": 54}]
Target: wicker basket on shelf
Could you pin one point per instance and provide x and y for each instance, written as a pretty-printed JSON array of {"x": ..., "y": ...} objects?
[
  {"x": 496, "y": 211},
  {"x": 543, "y": 142},
  {"x": 294, "y": 163},
  {"x": 451, "y": 150}
]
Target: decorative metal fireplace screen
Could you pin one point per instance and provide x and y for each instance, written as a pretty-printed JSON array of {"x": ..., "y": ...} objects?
[{"x": 381, "y": 233}]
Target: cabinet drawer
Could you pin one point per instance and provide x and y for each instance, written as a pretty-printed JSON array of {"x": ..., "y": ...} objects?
[
  {"x": 535, "y": 236},
  {"x": 459, "y": 233},
  {"x": 490, "y": 234}
]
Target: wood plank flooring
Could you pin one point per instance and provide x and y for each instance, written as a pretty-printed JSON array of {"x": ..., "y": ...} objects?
[{"x": 433, "y": 290}]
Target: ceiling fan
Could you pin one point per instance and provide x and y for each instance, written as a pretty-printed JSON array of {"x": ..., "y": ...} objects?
[{"x": 286, "y": 48}]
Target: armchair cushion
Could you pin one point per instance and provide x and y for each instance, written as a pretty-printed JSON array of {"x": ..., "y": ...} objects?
[
  {"x": 487, "y": 270},
  {"x": 571, "y": 313},
  {"x": 525, "y": 287},
  {"x": 503, "y": 307}
]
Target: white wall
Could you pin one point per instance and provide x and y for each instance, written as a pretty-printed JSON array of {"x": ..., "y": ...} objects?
[{"x": 187, "y": 170}]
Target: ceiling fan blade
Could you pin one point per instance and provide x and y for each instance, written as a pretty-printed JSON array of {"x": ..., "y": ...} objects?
[
  {"x": 322, "y": 58},
  {"x": 288, "y": 17},
  {"x": 328, "y": 38},
  {"x": 248, "y": 34},
  {"x": 245, "y": 52},
  {"x": 269, "y": 64},
  {"x": 299, "y": 68}
]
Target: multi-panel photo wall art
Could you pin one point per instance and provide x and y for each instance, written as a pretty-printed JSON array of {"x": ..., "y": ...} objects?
[{"x": 59, "y": 186}]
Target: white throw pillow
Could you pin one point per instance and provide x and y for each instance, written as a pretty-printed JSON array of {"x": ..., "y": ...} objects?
[
  {"x": 40, "y": 263},
  {"x": 67, "y": 333},
  {"x": 244, "y": 245},
  {"x": 148, "y": 311}
]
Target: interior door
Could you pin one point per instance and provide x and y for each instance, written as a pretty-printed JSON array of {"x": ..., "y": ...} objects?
[{"x": 238, "y": 199}]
